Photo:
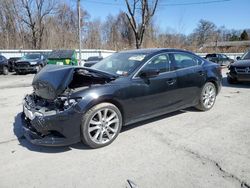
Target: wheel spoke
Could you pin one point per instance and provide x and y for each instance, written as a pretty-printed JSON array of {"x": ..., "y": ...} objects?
[
  {"x": 111, "y": 116},
  {"x": 95, "y": 122},
  {"x": 108, "y": 135},
  {"x": 99, "y": 115},
  {"x": 113, "y": 121},
  {"x": 111, "y": 129},
  {"x": 105, "y": 114},
  {"x": 101, "y": 137},
  {"x": 97, "y": 134},
  {"x": 93, "y": 128}
]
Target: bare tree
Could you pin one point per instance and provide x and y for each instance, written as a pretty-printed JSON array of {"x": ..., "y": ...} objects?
[
  {"x": 33, "y": 13},
  {"x": 206, "y": 31},
  {"x": 139, "y": 23}
]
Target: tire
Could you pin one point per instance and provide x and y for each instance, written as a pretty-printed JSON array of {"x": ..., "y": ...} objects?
[
  {"x": 5, "y": 70},
  {"x": 231, "y": 80},
  {"x": 207, "y": 97},
  {"x": 99, "y": 130}
]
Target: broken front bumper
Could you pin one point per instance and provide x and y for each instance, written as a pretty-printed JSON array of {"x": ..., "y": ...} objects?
[{"x": 60, "y": 129}]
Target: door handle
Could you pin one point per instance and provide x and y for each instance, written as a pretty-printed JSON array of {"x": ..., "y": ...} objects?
[
  {"x": 201, "y": 73},
  {"x": 171, "y": 81}
]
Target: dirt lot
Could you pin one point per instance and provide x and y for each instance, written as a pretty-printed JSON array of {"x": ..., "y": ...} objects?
[{"x": 183, "y": 149}]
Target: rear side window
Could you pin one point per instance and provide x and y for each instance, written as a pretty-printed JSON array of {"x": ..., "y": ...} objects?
[{"x": 183, "y": 60}]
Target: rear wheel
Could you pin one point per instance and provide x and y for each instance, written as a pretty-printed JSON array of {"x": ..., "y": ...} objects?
[
  {"x": 207, "y": 97},
  {"x": 5, "y": 70},
  {"x": 101, "y": 125}
]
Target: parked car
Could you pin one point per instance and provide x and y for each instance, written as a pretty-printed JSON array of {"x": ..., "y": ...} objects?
[
  {"x": 220, "y": 59},
  {"x": 32, "y": 62},
  {"x": 92, "y": 60},
  {"x": 240, "y": 70},
  {"x": 70, "y": 103},
  {"x": 244, "y": 56},
  {"x": 62, "y": 57},
  {"x": 11, "y": 62},
  {"x": 4, "y": 67}
]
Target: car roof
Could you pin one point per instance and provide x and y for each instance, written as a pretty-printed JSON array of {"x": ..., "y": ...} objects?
[{"x": 154, "y": 50}]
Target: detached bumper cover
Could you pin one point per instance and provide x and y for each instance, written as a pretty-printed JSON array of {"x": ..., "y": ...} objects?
[{"x": 55, "y": 130}]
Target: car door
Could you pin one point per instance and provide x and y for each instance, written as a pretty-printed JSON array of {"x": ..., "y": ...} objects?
[
  {"x": 190, "y": 77},
  {"x": 153, "y": 95}
]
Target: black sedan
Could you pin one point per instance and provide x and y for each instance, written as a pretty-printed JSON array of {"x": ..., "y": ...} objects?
[
  {"x": 240, "y": 70},
  {"x": 70, "y": 104}
]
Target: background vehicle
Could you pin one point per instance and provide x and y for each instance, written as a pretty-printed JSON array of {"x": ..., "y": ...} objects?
[
  {"x": 70, "y": 104},
  {"x": 244, "y": 56},
  {"x": 32, "y": 62},
  {"x": 92, "y": 60},
  {"x": 11, "y": 62},
  {"x": 4, "y": 66},
  {"x": 220, "y": 59},
  {"x": 62, "y": 57},
  {"x": 240, "y": 70}
]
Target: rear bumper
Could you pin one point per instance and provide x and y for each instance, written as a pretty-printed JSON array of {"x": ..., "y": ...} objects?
[{"x": 55, "y": 130}]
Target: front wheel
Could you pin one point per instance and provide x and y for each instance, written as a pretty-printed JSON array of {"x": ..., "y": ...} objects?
[
  {"x": 207, "y": 97},
  {"x": 101, "y": 125}
]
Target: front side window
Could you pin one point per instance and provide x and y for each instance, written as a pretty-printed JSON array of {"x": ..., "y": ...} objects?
[
  {"x": 160, "y": 62},
  {"x": 183, "y": 60}
]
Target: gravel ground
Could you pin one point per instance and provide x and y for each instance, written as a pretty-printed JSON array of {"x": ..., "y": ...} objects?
[{"x": 182, "y": 149}]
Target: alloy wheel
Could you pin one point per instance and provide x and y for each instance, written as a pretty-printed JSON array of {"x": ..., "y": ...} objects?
[
  {"x": 103, "y": 126},
  {"x": 208, "y": 96}
]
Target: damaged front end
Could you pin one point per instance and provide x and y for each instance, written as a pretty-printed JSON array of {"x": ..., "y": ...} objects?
[
  {"x": 54, "y": 122},
  {"x": 51, "y": 114}
]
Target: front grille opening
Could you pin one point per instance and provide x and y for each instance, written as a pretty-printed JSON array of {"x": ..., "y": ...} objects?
[{"x": 56, "y": 134}]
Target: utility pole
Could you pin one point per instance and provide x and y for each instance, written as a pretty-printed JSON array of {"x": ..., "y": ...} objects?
[{"x": 79, "y": 32}]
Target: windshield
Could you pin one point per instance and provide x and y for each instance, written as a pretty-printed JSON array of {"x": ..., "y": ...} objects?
[
  {"x": 246, "y": 55},
  {"x": 120, "y": 63},
  {"x": 32, "y": 56}
]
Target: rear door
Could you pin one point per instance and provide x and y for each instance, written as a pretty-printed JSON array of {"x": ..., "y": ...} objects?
[{"x": 190, "y": 77}]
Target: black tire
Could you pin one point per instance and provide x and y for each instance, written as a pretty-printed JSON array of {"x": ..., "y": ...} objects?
[
  {"x": 87, "y": 117},
  {"x": 5, "y": 70},
  {"x": 231, "y": 80},
  {"x": 201, "y": 106}
]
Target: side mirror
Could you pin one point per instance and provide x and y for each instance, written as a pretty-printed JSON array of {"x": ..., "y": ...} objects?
[
  {"x": 238, "y": 58},
  {"x": 149, "y": 73}
]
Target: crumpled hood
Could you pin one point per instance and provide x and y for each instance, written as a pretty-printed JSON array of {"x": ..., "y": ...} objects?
[
  {"x": 241, "y": 63},
  {"x": 52, "y": 81}
]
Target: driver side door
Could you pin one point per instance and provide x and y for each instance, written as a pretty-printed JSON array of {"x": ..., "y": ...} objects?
[{"x": 154, "y": 95}]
